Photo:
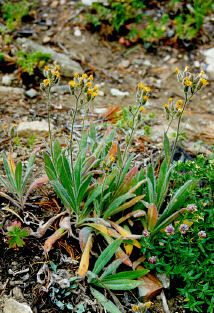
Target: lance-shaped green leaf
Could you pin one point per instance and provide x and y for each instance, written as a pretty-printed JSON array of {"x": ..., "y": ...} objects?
[
  {"x": 106, "y": 255},
  {"x": 127, "y": 275},
  {"x": 111, "y": 268},
  {"x": 177, "y": 200},
  {"x": 108, "y": 305},
  {"x": 117, "y": 284},
  {"x": 116, "y": 203},
  {"x": 167, "y": 150},
  {"x": 18, "y": 176}
]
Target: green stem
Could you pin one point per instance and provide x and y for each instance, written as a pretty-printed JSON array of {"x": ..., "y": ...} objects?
[
  {"x": 49, "y": 120},
  {"x": 71, "y": 137},
  {"x": 127, "y": 148},
  {"x": 170, "y": 123},
  {"x": 131, "y": 135},
  {"x": 178, "y": 126}
]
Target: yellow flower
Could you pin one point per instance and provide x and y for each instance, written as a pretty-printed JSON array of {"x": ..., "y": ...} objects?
[
  {"x": 179, "y": 105},
  {"x": 186, "y": 69},
  {"x": 147, "y": 89},
  {"x": 170, "y": 100},
  {"x": 204, "y": 82},
  {"x": 145, "y": 98},
  {"x": 141, "y": 85},
  {"x": 84, "y": 76},
  {"x": 142, "y": 109},
  {"x": 95, "y": 88},
  {"x": 112, "y": 158},
  {"x": 57, "y": 74},
  {"x": 76, "y": 75},
  {"x": 46, "y": 68},
  {"x": 90, "y": 91},
  {"x": 177, "y": 71},
  {"x": 187, "y": 82},
  {"x": 201, "y": 73},
  {"x": 166, "y": 105},
  {"x": 72, "y": 84},
  {"x": 89, "y": 84},
  {"x": 91, "y": 77},
  {"x": 46, "y": 82},
  {"x": 135, "y": 308},
  {"x": 94, "y": 94}
]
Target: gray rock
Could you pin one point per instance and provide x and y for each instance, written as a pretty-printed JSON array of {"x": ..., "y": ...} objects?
[
  {"x": 7, "y": 80},
  {"x": 124, "y": 64},
  {"x": 17, "y": 294},
  {"x": 89, "y": 2},
  {"x": 26, "y": 129},
  {"x": 118, "y": 93},
  {"x": 60, "y": 89},
  {"x": 11, "y": 90},
  {"x": 31, "y": 93},
  {"x": 209, "y": 58},
  {"x": 101, "y": 93},
  {"x": 13, "y": 306},
  {"x": 77, "y": 32},
  {"x": 46, "y": 39},
  {"x": 68, "y": 66},
  {"x": 100, "y": 110}
]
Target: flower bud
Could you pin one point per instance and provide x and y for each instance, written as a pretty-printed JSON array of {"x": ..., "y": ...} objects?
[
  {"x": 146, "y": 233},
  {"x": 183, "y": 228},
  {"x": 169, "y": 230},
  {"x": 152, "y": 259},
  {"x": 192, "y": 208},
  {"x": 202, "y": 234}
]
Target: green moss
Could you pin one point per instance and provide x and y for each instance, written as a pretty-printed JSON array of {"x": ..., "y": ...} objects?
[
  {"x": 29, "y": 61},
  {"x": 14, "y": 12}
]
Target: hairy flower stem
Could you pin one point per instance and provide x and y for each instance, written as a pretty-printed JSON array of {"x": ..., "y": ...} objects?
[
  {"x": 170, "y": 123},
  {"x": 124, "y": 157},
  {"x": 178, "y": 126},
  {"x": 49, "y": 120},
  {"x": 135, "y": 123},
  {"x": 73, "y": 119}
]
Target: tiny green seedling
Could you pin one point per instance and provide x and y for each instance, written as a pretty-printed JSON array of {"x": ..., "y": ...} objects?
[{"x": 16, "y": 235}]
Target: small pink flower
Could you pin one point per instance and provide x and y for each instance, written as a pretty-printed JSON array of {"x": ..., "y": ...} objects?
[
  {"x": 146, "y": 233},
  {"x": 169, "y": 230},
  {"x": 192, "y": 208},
  {"x": 152, "y": 259},
  {"x": 183, "y": 228},
  {"x": 202, "y": 234}
]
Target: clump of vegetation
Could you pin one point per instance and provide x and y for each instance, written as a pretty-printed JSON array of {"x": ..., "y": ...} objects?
[
  {"x": 132, "y": 211},
  {"x": 184, "y": 250},
  {"x": 133, "y": 19},
  {"x": 28, "y": 62},
  {"x": 14, "y": 12},
  {"x": 16, "y": 235}
]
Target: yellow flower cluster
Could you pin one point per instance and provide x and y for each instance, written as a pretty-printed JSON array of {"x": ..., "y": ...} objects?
[
  {"x": 187, "y": 82},
  {"x": 141, "y": 86},
  {"x": 203, "y": 81},
  {"x": 192, "y": 83},
  {"x": 84, "y": 83},
  {"x": 172, "y": 108},
  {"x": 143, "y": 92},
  {"x": 179, "y": 105},
  {"x": 52, "y": 76}
]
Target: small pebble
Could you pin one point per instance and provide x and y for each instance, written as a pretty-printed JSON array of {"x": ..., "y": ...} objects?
[
  {"x": 31, "y": 93},
  {"x": 7, "y": 80}
]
